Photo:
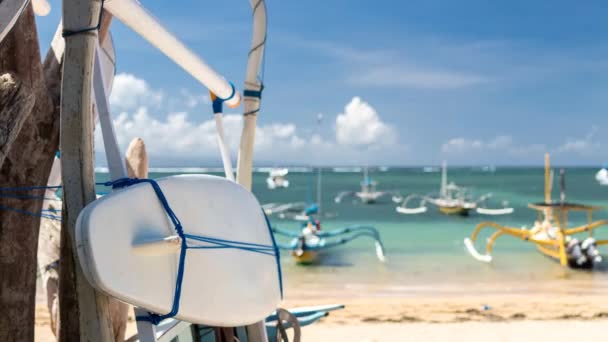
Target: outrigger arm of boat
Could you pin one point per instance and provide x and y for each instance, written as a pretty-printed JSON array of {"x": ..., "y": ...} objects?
[
  {"x": 323, "y": 242},
  {"x": 481, "y": 209},
  {"x": 421, "y": 208},
  {"x": 395, "y": 196},
  {"x": 403, "y": 208}
]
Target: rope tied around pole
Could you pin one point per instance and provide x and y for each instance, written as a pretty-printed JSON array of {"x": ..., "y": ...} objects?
[{"x": 68, "y": 33}]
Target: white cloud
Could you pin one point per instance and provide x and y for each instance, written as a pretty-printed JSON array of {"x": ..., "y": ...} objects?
[
  {"x": 360, "y": 125},
  {"x": 584, "y": 145},
  {"x": 494, "y": 150},
  {"x": 465, "y": 145},
  {"x": 179, "y": 138},
  {"x": 130, "y": 92},
  {"x": 461, "y": 145},
  {"x": 414, "y": 77}
]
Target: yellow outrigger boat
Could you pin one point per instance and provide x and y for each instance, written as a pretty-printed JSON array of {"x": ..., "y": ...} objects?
[{"x": 550, "y": 232}]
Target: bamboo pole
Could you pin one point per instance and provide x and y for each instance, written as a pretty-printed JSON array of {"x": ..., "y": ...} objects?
[
  {"x": 252, "y": 104},
  {"x": 255, "y": 332},
  {"x": 76, "y": 144}
]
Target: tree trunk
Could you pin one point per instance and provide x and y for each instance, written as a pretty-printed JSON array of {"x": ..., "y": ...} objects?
[{"x": 27, "y": 162}]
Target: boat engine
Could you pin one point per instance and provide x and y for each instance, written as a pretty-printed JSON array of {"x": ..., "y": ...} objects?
[
  {"x": 575, "y": 252},
  {"x": 589, "y": 247}
]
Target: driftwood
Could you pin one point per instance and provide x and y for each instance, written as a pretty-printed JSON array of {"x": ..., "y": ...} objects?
[
  {"x": 27, "y": 163},
  {"x": 16, "y": 103}
]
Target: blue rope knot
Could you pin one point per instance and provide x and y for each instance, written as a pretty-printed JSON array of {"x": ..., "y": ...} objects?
[
  {"x": 218, "y": 102},
  {"x": 254, "y": 93},
  {"x": 212, "y": 243},
  {"x": 68, "y": 33}
]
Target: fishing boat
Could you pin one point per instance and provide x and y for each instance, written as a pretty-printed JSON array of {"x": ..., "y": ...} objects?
[
  {"x": 307, "y": 244},
  {"x": 277, "y": 179},
  {"x": 452, "y": 200},
  {"x": 550, "y": 233},
  {"x": 602, "y": 175},
  {"x": 368, "y": 194}
]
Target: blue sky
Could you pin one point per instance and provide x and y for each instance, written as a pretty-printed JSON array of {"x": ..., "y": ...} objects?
[{"x": 397, "y": 82}]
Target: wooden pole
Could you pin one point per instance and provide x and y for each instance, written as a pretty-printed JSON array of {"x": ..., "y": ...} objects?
[
  {"x": 77, "y": 155},
  {"x": 68, "y": 295}
]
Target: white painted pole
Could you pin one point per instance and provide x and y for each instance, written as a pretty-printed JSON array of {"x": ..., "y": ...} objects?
[
  {"x": 76, "y": 143},
  {"x": 134, "y": 15},
  {"x": 255, "y": 332},
  {"x": 113, "y": 155},
  {"x": 224, "y": 150},
  {"x": 251, "y": 103}
]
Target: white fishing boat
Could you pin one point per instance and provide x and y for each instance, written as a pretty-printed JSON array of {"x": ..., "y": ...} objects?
[
  {"x": 602, "y": 175},
  {"x": 452, "y": 200},
  {"x": 277, "y": 178},
  {"x": 368, "y": 194}
]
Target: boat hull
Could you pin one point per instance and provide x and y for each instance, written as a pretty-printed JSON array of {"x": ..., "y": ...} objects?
[
  {"x": 553, "y": 254},
  {"x": 306, "y": 258},
  {"x": 454, "y": 210}
]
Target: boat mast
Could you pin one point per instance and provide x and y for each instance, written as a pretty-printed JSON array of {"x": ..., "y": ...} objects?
[
  {"x": 444, "y": 179},
  {"x": 319, "y": 194},
  {"x": 547, "y": 179}
]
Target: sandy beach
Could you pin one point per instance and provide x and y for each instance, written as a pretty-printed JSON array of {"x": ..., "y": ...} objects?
[{"x": 512, "y": 317}]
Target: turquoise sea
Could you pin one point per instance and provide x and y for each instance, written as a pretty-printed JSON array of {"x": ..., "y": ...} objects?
[{"x": 425, "y": 252}]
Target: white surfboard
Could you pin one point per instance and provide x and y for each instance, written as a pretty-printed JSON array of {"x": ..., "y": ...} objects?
[
  {"x": 127, "y": 248},
  {"x": 10, "y": 11}
]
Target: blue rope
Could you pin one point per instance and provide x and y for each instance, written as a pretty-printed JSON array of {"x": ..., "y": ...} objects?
[
  {"x": 29, "y": 197},
  {"x": 45, "y": 213},
  {"x": 29, "y": 213},
  {"x": 27, "y": 188},
  {"x": 215, "y": 243},
  {"x": 254, "y": 93}
]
